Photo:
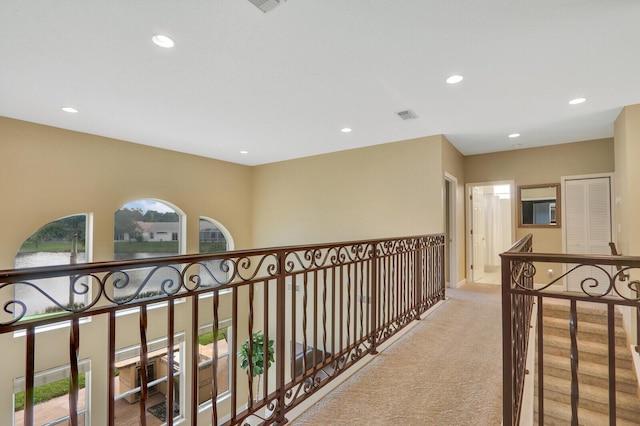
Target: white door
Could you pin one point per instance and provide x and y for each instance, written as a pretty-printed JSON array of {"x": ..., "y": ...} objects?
[
  {"x": 477, "y": 234},
  {"x": 588, "y": 229}
]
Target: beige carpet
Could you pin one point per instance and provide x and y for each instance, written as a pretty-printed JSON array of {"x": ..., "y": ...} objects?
[{"x": 445, "y": 371}]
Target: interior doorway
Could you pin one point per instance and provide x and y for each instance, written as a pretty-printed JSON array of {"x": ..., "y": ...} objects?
[
  {"x": 490, "y": 228},
  {"x": 451, "y": 237}
]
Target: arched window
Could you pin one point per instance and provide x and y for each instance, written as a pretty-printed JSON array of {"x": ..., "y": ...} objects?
[
  {"x": 61, "y": 242},
  {"x": 214, "y": 238},
  {"x": 147, "y": 228}
]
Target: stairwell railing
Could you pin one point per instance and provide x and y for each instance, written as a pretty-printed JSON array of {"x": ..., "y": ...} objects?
[{"x": 609, "y": 282}]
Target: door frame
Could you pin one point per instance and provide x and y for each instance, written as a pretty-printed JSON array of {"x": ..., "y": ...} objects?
[
  {"x": 468, "y": 194},
  {"x": 451, "y": 185}
]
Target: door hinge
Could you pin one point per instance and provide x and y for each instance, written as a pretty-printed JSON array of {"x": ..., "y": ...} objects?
[
  {"x": 472, "y": 267},
  {"x": 471, "y": 232}
]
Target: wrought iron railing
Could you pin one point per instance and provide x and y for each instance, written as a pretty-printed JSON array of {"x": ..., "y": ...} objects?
[
  {"x": 321, "y": 309},
  {"x": 601, "y": 281}
]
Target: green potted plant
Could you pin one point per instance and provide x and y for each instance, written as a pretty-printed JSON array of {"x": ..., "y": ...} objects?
[{"x": 258, "y": 356}]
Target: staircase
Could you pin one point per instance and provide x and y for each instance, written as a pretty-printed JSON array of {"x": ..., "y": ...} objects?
[{"x": 593, "y": 369}]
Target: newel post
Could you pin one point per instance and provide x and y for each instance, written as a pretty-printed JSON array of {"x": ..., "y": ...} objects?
[
  {"x": 374, "y": 299},
  {"x": 280, "y": 419}
]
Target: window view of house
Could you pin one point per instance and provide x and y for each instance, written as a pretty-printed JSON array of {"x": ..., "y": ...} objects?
[
  {"x": 145, "y": 229},
  {"x": 60, "y": 242}
]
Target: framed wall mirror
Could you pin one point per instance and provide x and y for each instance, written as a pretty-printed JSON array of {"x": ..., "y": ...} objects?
[{"x": 539, "y": 206}]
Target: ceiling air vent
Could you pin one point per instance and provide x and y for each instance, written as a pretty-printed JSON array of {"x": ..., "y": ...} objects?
[
  {"x": 407, "y": 115},
  {"x": 265, "y": 5}
]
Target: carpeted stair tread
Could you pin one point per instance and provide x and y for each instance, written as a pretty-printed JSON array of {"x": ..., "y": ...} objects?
[
  {"x": 593, "y": 398},
  {"x": 587, "y": 331},
  {"x": 588, "y": 351},
  {"x": 593, "y": 368},
  {"x": 558, "y": 414},
  {"x": 593, "y": 314},
  {"x": 591, "y": 373}
]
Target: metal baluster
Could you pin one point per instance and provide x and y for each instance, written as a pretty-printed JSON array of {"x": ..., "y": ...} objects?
[
  {"x": 29, "y": 376},
  {"x": 575, "y": 392},
  {"x": 540, "y": 325},
  {"x": 214, "y": 364},
  {"x": 143, "y": 365},
  {"x": 611, "y": 329},
  {"x": 74, "y": 347},
  {"x": 170, "y": 361},
  {"x": 111, "y": 368}
]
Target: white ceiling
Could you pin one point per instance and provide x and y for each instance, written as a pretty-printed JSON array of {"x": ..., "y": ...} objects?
[{"x": 281, "y": 85}]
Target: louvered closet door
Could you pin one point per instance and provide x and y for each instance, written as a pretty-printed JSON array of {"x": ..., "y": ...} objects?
[{"x": 587, "y": 224}]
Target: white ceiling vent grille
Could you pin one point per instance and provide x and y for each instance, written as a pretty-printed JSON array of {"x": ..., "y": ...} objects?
[
  {"x": 407, "y": 115},
  {"x": 265, "y": 5}
]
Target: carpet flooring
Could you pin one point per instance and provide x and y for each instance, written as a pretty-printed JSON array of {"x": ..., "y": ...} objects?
[{"x": 447, "y": 370}]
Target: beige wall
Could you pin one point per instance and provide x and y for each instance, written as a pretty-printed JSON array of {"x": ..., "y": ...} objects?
[
  {"x": 627, "y": 193},
  {"x": 385, "y": 190},
  {"x": 49, "y": 173},
  {"x": 621, "y": 184},
  {"x": 542, "y": 165},
  {"x": 627, "y": 196},
  {"x": 453, "y": 165}
]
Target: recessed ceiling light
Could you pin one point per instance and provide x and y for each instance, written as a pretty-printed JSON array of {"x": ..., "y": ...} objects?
[
  {"x": 69, "y": 109},
  {"x": 163, "y": 41},
  {"x": 345, "y": 130},
  {"x": 577, "y": 101},
  {"x": 514, "y": 135},
  {"x": 455, "y": 79},
  {"x": 244, "y": 152}
]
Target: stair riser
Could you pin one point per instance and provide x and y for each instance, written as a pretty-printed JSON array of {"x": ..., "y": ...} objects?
[
  {"x": 622, "y": 361},
  {"x": 622, "y": 411},
  {"x": 564, "y": 419},
  {"x": 585, "y": 336},
  {"x": 601, "y": 319},
  {"x": 556, "y": 413},
  {"x": 621, "y": 385}
]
